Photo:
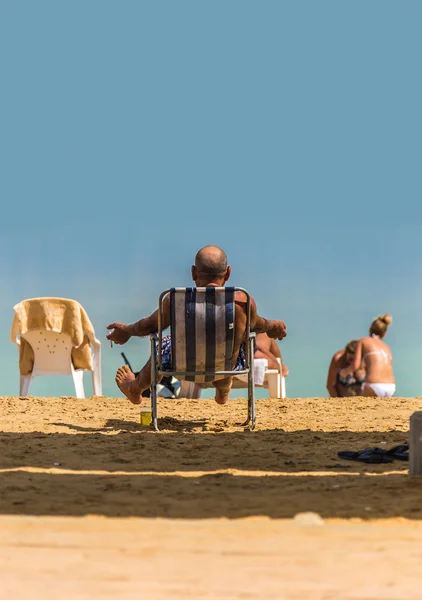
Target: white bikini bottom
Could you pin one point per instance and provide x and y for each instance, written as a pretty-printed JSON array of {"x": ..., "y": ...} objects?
[{"x": 382, "y": 390}]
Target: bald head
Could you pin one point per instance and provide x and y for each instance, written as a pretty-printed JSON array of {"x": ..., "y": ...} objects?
[{"x": 211, "y": 261}]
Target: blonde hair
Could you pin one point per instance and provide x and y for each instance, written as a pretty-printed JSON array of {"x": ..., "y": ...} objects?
[
  {"x": 351, "y": 346},
  {"x": 380, "y": 325}
]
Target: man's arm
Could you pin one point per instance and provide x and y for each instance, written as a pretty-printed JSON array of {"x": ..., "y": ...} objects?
[
  {"x": 121, "y": 333},
  {"x": 274, "y": 329}
]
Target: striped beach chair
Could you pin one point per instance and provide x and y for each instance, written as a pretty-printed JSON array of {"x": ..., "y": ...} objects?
[{"x": 202, "y": 327}]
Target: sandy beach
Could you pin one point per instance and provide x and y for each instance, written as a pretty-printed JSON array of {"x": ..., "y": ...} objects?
[{"x": 97, "y": 506}]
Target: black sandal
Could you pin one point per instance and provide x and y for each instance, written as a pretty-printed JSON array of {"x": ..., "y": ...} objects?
[{"x": 369, "y": 455}]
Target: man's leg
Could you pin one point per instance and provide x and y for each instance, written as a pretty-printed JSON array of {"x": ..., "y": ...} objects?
[
  {"x": 222, "y": 389},
  {"x": 131, "y": 386}
]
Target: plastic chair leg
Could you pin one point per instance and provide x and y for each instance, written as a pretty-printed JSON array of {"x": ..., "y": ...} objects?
[
  {"x": 96, "y": 371},
  {"x": 283, "y": 387},
  {"x": 274, "y": 386},
  {"x": 189, "y": 389},
  {"x": 25, "y": 382},
  {"x": 78, "y": 380}
]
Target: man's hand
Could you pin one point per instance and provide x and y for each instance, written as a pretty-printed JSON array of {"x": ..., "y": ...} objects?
[
  {"x": 119, "y": 334},
  {"x": 278, "y": 330}
]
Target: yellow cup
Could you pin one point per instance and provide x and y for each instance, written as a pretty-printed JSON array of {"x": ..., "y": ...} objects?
[{"x": 146, "y": 416}]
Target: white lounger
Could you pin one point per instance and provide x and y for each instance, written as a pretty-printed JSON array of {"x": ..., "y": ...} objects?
[{"x": 270, "y": 379}]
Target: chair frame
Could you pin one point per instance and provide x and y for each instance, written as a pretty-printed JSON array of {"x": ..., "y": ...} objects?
[{"x": 156, "y": 365}]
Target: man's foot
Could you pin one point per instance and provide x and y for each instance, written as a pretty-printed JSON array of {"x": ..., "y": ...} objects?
[
  {"x": 126, "y": 382},
  {"x": 222, "y": 395},
  {"x": 222, "y": 389}
]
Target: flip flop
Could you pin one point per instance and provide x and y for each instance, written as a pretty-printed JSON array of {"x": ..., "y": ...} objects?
[
  {"x": 400, "y": 452},
  {"x": 369, "y": 455}
]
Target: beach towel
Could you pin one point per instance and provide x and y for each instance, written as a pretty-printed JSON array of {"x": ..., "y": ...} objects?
[
  {"x": 61, "y": 315},
  {"x": 260, "y": 367}
]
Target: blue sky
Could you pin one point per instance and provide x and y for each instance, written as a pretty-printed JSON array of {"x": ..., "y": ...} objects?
[{"x": 133, "y": 133}]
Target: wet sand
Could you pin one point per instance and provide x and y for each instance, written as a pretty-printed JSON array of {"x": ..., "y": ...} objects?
[{"x": 201, "y": 505}]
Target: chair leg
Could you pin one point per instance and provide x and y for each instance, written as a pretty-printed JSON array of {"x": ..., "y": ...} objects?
[
  {"x": 248, "y": 420},
  {"x": 154, "y": 382},
  {"x": 283, "y": 387},
  {"x": 189, "y": 389},
  {"x": 251, "y": 386},
  {"x": 274, "y": 385},
  {"x": 25, "y": 382},
  {"x": 251, "y": 400},
  {"x": 96, "y": 371},
  {"x": 78, "y": 380}
]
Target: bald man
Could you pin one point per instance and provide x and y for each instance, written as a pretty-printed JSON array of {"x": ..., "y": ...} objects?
[{"x": 210, "y": 269}]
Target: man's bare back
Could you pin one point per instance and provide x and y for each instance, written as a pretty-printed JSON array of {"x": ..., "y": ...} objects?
[{"x": 210, "y": 270}]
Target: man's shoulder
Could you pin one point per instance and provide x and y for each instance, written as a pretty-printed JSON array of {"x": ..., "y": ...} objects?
[{"x": 242, "y": 297}]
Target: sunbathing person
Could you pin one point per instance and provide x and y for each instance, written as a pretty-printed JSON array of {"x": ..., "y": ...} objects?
[
  {"x": 376, "y": 357},
  {"x": 343, "y": 379},
  {"x": 210, "y": 269},
  {"x": 266, "y": 347}
]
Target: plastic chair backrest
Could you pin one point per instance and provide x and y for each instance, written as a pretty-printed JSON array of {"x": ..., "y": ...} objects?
[{"x": 52, "y": 352}]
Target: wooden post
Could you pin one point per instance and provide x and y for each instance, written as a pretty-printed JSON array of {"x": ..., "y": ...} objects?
[{"x": 415, "y": 447}]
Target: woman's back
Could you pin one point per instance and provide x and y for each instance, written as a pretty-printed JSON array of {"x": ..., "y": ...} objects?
[{"x": 377, "y": 359}]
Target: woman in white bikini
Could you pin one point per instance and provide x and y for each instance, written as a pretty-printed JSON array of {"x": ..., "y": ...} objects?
[{"x": 374, "y": 354}]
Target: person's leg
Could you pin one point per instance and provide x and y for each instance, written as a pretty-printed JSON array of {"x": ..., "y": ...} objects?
[
  {"x": 131, "y": 386},
  {"x": 275, "y": 350},
  {"x": 222, "y": 389},
  {"x": 272, "y": 361},
  {"x": 368, "y": 391},
  {"x": 343, "y": 391},
  {"x": 355, "y": 389}
]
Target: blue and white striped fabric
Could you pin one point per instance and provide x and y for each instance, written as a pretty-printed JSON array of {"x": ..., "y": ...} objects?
[{"x": 202, "y": 330}]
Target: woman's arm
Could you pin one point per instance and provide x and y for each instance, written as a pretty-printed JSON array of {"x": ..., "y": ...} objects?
[
  {"x": 357, "y": 361},
  {"x": 332, "y": 377}
]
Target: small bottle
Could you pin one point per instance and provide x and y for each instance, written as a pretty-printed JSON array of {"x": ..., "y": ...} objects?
[{"x": 146, "y": 416}]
